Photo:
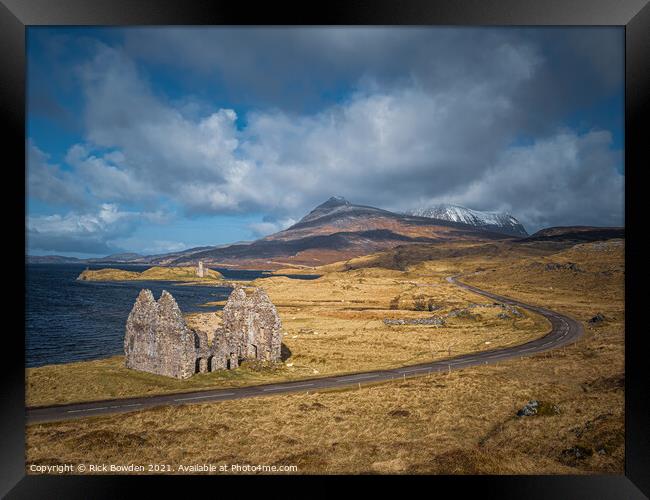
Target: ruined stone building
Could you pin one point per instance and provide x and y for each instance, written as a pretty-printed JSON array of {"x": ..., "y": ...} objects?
[
  {"x": 158, "y": 340},
  {"x": 200, "y": 271}
]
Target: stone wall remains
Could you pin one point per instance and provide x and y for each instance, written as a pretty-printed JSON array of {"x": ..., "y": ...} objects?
[{"x": 158, "y": 340}]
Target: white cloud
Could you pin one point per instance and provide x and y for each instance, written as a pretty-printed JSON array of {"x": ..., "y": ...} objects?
[
  {"x": 90, "y": 232},
  {"x": 265, "y": 228},
  {"x": 150, "y": 247},
  {"x": 377, "y": 143},
  {"x": 107, "y": 176}
]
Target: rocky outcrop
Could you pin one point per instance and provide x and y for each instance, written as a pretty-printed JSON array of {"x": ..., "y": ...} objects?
[
  {"x": 434, "y": 320},
  {"x": 598, "y": 318},
  {"x": 159, "y": 341},
  {"x": 569, "y": 266},
  {"x": 538, "y": 408}
]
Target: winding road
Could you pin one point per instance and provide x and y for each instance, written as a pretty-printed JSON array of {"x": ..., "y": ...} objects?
[{"x": 564, "y": 330}]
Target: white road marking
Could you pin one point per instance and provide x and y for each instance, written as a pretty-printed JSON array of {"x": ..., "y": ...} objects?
[
  {"x": 104, "y": 408},
  {"x": 89, "y": 409},
  {"x": 359, "y": 377},
  {"x": 415, "y": 370},
  {"x": 287, "y": 387},
  {"x": 205, "y": 397}
]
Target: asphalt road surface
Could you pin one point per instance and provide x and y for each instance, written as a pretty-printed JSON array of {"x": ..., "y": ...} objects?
[{"x": 564, "y": 331}]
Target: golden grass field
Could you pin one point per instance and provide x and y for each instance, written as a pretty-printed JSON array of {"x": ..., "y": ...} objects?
[
  {"x": 332, "y": 325},
  {"x": 461, "y": 422}
]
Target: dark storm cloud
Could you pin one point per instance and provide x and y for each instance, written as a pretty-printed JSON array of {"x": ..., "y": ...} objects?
[
  {"x": 567, "y": 179},
  {"x": 304, "y": 68}
]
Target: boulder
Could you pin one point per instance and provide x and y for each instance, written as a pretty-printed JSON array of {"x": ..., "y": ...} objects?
[
  {"x": 598, "y": 318},
  {"x": 538, "y": 408}
]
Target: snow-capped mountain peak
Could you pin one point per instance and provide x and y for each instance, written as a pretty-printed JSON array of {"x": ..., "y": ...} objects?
[{"x": 490, "y": 221}]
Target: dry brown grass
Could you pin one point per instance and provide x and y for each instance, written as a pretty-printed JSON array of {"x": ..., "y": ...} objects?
[
  {"x": 332, "y": 325},
  {"x": 463, "y": 422}
]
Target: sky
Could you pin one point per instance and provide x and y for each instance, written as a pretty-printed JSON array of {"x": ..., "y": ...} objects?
[{"x": 154, "y": 140}]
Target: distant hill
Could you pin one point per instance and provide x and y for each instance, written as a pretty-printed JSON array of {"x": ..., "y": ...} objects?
[
  {"x": 576, "y": 234},
  {"x": 117, "y": 257},
  {"x": 167, "y": 258},
  {"x": 338, "y": 230},
  {"x": 52, "y": 259}
]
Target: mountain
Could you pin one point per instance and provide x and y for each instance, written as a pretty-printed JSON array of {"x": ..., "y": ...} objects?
[
  {"x": 335, "y": 208},
  {"x": 337, "y": 214},
  {"x": 52, "y": 259},
  {"x": 337, "y": 230},
  {"x": 490, "y": 221},
  {"x": 117, "y": 257}
]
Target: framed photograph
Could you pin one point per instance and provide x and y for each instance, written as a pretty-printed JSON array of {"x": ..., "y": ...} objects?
[{"x": 385, "y": 239}]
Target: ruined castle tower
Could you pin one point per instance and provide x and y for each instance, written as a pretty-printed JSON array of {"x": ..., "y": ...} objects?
[
  {"x": 157, "y": 338},
  {"x": 200, "y": 270}
]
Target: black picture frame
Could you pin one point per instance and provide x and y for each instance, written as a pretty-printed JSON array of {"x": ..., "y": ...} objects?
[{"x": 634, "y": 15}]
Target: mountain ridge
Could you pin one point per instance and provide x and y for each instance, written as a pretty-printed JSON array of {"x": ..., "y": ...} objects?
[
  {"x": 493, "y": 221},
  {"x": 339, "y": 230}
]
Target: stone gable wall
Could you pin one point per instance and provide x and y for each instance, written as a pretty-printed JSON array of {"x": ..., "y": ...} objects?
[{"x": 159, "y": 341}]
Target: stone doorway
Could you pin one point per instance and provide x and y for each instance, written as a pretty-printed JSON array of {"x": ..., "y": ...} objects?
[{"x": 201, "y": 365}]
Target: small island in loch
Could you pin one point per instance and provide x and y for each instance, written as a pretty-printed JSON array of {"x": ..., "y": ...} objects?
[{"x": 156, "y": 273}]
